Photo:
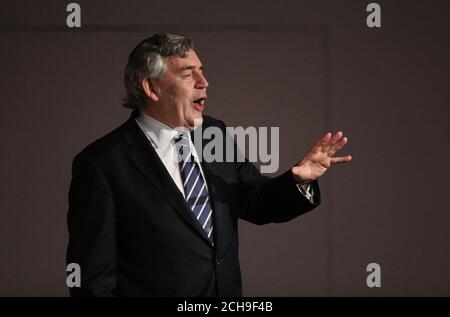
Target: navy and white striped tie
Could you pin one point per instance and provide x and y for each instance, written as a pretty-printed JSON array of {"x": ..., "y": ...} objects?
[{"x": 195, "y": 190}]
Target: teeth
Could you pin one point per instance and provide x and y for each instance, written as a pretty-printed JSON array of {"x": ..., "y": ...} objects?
[{"x": 200, "y": 101}]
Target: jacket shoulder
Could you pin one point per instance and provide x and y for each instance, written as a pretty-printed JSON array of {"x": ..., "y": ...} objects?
[
  {"x": 104, "y": 146},
  {"x": 113, "y": 143}
]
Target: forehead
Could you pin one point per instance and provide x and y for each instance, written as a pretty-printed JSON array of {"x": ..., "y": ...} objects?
[{"x": 176, "y": 62}]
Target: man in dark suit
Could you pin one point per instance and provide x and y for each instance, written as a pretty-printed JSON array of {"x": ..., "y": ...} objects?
[{"x": 147, "y": 216}]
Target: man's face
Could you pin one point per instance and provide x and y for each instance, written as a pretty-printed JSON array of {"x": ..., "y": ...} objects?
[{"x": 181, "y": 92}]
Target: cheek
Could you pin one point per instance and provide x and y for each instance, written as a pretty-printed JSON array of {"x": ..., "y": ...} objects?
[
  {"x": 178, "y": 94},
  {"x": 182, "y": 95}
]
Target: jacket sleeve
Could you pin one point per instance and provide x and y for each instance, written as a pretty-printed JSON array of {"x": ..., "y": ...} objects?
[
  {"x": 91, "y": 224},
  {"x": 264, "y": 199}
]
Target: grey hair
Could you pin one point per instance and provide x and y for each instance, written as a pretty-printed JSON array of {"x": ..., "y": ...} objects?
[{"x": 146, "y": 60}]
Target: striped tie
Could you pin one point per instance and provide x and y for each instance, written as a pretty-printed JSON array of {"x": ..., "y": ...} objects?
[{"x": 195, "y": 190}]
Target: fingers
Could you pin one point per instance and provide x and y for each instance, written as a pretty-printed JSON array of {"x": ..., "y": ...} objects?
[
  {"x": 323, "y": 140},
  {"x": 335, "y": 138},
  {"x": 330, "y": 143},
  {"x": 341, "y": 159},
  {"x": 337, "y": 146}
]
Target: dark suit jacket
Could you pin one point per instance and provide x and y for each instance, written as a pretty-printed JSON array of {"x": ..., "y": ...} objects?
[{"x": 132, "y": 233}]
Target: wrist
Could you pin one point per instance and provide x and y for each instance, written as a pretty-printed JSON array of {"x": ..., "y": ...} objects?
[{"x": 299, "y": 181}]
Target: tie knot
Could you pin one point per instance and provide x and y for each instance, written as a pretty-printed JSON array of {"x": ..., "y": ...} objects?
[
  {"x": 181, "y": 138},
  {"x": 182, "y": 146}
]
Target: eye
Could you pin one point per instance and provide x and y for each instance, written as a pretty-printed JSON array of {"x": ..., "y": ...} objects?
[{"x": 187, "y": 74}]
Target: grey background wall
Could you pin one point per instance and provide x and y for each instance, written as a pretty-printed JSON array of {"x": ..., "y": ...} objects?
[{"x": 304, "y": 66}]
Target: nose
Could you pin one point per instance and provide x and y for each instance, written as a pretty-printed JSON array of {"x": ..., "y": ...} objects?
[{"x": 201, "y": 81}]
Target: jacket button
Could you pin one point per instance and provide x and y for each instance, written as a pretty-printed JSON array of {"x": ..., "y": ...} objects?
[{"x": 217, "y": 262}]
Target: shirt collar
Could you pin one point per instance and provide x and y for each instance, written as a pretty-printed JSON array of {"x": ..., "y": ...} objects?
[{"x": 159, "y": 133}]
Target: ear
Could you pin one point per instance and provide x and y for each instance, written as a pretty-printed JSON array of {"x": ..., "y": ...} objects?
[{"x": 149, "y": 89}]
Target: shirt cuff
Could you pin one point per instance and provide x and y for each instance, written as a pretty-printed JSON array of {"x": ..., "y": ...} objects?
[{"x": 307, "y": 191}]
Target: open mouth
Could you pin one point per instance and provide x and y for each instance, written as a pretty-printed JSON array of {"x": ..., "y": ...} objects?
[{"x": 199, "y": 104}]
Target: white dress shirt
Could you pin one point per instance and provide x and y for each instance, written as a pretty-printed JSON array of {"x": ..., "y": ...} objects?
[{"x": 161, "y": 137}]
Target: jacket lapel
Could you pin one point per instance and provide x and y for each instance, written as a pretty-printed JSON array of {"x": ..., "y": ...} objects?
[{"x": 147, "y": 161}]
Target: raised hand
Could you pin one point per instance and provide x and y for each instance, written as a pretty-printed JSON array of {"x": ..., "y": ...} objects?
[{"x": 320, "y": 157}]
